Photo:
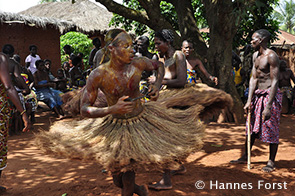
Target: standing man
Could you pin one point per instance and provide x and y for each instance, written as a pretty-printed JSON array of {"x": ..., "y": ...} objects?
[
  {"x": 97, "y": 44},
  {"x": 14, "y": 70},
  {"x": 192, "y": 62},
  {"x": 7, "y": 90},
  {"x": 264, "y": 100},
  {"x": 32, "y": 58},
  {"x": 20, "y": 86},
  {"x": 143, "y": 43}
]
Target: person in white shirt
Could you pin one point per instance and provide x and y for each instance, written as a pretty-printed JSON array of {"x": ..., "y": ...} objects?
[{"x": 32, "y": 58}]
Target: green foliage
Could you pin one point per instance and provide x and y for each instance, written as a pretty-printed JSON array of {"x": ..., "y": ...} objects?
[
  {"x": 79, "y": 43},
  {"x": 167, "y": 10},
  {"x": 127, "y": 24},
  {"x": 258, "y": 16},
  {"x": 255, "y": 17},
  {"x": 285, "y": 14},
  {"x": 199, "y": 8},
  {"x": 169, "y": 13}
]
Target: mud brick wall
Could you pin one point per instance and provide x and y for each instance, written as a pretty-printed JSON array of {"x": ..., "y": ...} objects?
[{"x": 22, "y": 36}]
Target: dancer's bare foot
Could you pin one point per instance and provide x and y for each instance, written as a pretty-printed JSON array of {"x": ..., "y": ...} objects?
[
  {"x": 270, "y": 166},
  {"x": 181, "y": 170},
  {"x": 160, "y": 186}
]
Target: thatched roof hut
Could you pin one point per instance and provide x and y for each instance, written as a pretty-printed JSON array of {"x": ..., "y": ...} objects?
[
  {"x": 22, "y": 31},
  {"x": 87, "y": 16},
  {"x": 39, "y": 22}
]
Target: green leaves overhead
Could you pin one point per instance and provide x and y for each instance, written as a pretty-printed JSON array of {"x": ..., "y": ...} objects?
[
  {"x": 247, "y": 15},
  {"x": 285, "y": 14},
  {"x": 79, "y": 43}
]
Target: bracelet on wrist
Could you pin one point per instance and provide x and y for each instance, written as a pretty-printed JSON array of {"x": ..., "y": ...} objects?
[{"x": 24, "y": 111}]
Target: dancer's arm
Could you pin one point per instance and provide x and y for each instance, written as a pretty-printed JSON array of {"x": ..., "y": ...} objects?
[{"x": 89, "y": 97}]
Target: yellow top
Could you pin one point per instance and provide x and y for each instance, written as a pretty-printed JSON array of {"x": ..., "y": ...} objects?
[{"x": 237, "y": 75}]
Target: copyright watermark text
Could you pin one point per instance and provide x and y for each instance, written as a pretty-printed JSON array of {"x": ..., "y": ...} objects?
[{"x": 261, "y": 184}]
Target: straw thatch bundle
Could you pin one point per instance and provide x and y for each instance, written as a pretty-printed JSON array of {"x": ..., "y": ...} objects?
[
  {"x": 42, "y": 22},
  {"x": 158, "y": 138},
  {"x": 87, "y": 16}
]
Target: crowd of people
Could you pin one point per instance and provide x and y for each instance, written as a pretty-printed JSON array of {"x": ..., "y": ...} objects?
[
  {"x": 34, "y": 82},
  {"x": 147, "y": 98}
]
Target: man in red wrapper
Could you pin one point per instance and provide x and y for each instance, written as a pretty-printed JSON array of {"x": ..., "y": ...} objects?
[{"x": 264, "y": 100}]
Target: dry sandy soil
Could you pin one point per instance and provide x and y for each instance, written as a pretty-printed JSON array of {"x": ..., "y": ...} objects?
[{"x": 30, "y": 172}]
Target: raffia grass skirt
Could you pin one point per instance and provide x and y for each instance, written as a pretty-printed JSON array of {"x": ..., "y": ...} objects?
[
  {"x": 156, "y": 139},
  {"x": 193, "y": 95}
]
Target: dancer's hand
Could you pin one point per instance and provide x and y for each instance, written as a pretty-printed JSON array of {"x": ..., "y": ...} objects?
[
  {"x": 122, "y": 107},
  {"x": 214, "y": 79},
  {"x": 153, "y": 92},
  {"x": 152, "y": 79}
]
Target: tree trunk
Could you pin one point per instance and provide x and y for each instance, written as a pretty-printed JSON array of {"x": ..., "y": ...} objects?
[
  {"x": 188, "y": 25},
  {"x": 219, "y": 54}
]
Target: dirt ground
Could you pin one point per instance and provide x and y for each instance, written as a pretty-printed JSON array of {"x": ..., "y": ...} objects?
[{"x": 30, "y": 172}]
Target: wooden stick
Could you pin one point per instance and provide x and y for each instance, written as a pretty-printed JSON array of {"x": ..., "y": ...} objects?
[{"x": 249, "y": 140}]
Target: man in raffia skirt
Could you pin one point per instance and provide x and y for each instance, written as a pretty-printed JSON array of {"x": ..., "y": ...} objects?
[
  {"x": 72, "y": 99},
  {"x": 127, "y": 135}
]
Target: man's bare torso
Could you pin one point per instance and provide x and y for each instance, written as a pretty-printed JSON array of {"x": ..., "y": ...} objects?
[{"x": 262, "y": 68}]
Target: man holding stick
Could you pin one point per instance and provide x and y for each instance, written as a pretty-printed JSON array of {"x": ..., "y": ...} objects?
[{"x": 264, "y": 100}]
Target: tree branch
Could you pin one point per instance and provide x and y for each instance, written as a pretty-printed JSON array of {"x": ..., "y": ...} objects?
[
  {"x": 129, "y": 13},
  {"x": 151, "y": 16},
  {"x": 188, "y": 25}
]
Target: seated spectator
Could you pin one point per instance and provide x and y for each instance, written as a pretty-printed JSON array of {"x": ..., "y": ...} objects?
[
  {"x": 59, "y": 82},
  {"x": 25, "y": 72},
  {"x": 47, "y": 63},
  {"x": 77, "y": 78},
  {"x": 64, "y": 78},
  {"x": 44, "y": 90}
]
